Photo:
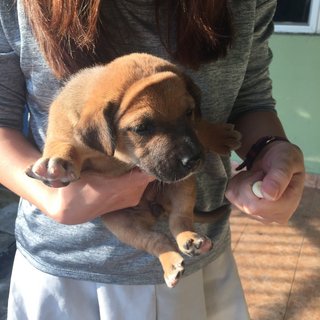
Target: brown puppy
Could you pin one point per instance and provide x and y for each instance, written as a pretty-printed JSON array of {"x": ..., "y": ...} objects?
[{"x": 138, "y": 111}]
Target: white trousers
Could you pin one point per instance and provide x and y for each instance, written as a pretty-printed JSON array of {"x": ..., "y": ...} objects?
[{"x": 213, "y": 293}]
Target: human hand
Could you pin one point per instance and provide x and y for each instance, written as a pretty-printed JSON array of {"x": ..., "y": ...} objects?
[
  {"x": 95, "y": 194},
  {"x": 280, "y": 167}
]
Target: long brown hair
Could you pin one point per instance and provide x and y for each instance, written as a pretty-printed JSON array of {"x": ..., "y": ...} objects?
[{"x": 68, "y": 31}]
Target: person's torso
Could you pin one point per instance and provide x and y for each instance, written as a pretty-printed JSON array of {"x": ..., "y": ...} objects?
[{"x": 89, "y": 251}]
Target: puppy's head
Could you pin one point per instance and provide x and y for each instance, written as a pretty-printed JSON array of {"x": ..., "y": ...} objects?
[
  {"x": 155, "y": 127},
  {"x": 151, "y": 127}
]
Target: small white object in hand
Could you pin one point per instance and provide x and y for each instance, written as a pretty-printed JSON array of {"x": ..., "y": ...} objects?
[{"x": 256, "y": 189}]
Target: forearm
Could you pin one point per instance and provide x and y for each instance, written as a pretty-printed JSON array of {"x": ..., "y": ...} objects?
[
  {"x": 83, "y": 200},
  {"x": 254, "y": 125},
  {"x": 16, "y": 155}
]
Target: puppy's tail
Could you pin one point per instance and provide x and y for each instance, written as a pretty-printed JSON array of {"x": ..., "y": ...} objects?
[{"x": 212, "y": 216}]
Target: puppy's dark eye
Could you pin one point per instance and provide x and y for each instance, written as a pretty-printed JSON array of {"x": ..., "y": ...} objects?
[
  {"x": 143, "y": 129},
  {"x": 189, "y": 112}
]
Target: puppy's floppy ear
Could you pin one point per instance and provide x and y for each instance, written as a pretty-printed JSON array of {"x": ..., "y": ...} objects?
[
  {"x": 96, "y": 128},
  {"x": 195, "y": 92}
]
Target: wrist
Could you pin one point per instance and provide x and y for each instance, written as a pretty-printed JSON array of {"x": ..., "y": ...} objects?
[{"x": 256, "y": 149}]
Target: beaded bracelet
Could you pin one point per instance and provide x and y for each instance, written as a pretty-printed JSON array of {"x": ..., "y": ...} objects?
[{"x": 256, "y": 149}]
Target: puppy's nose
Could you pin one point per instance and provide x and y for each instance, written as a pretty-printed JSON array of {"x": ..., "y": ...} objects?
[{"x": 191, "y": 162}]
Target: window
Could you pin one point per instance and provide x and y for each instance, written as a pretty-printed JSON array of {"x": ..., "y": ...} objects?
[{"x": 298, "y": 16}]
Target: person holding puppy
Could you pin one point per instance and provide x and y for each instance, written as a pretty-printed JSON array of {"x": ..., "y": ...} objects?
[{"x": 67, "y": 265}]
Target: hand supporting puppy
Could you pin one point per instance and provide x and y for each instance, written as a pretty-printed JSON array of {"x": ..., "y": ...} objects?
[
  {"x": 280, "y": 166},
  {"x": 96, "y": 194}
]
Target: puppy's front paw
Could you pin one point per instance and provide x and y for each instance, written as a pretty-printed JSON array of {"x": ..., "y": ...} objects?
[
  {"x": 193, "y": 244},
  {"x": 218, "y": 137},
  {"x": 54, "y": 172},
  {"x": 231, "y": 139}
]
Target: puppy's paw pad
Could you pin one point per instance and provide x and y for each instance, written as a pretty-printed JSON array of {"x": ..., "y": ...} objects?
[
  {"x": 196, "y": 245},
  {"x": 54, "y": 172}
]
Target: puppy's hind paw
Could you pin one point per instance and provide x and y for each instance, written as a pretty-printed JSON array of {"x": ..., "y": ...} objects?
[
  {"x": 172, "y": 278},
  {"x": 193, "y": 244},
  {"x": 173, "y": 266},
  {"x": 54, "y": 172}
]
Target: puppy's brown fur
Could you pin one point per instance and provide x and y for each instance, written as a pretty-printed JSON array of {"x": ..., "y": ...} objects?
[{"x": 138, "y": 111}]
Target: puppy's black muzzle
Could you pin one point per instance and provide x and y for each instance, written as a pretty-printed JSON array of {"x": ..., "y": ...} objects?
[
  {"x": 188, "y": 156},
  {"x": 184, "y": 156}
]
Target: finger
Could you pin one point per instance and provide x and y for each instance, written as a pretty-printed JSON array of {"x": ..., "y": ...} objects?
[
  {"x": 259, "y": 218},
  {"x": 282, "y": 164},
  {"x": 293, "y": 193},
  {"x": 239, "y": 187},
  {"x": 281, "y": 211},
  {"x": 269, "y": 212},
  {"x": 276, "y": 182}
]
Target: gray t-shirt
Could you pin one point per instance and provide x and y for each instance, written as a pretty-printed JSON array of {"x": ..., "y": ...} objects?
[{"x": 239, "y": 83}]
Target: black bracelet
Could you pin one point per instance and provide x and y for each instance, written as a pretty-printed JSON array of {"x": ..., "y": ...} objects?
[{"x": 256, "y": 149}]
